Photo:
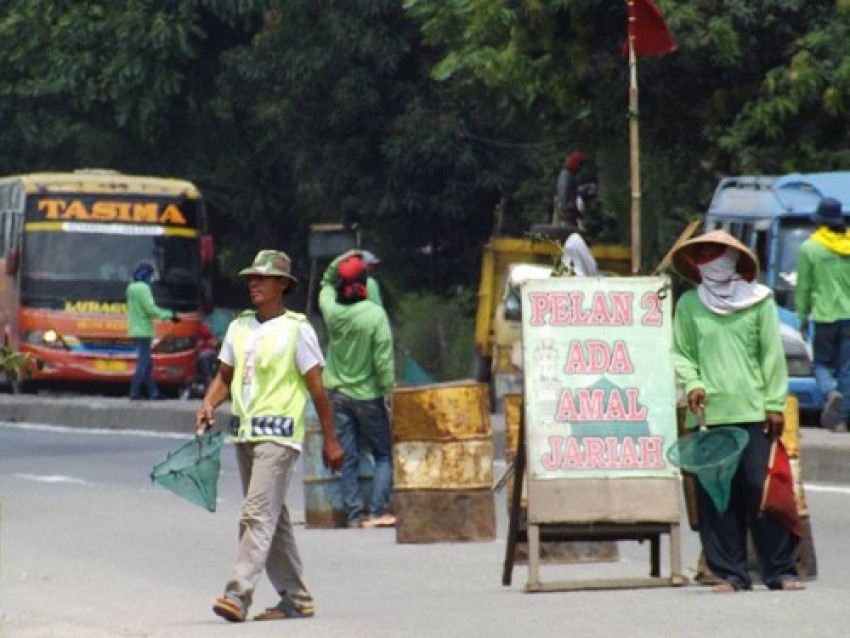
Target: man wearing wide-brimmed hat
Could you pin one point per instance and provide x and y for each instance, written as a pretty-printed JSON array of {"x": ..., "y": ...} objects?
[
  {"x": 728, "y": 355},
  {"x": 270, "y": 364},
  {"x": 823, "y": 292}
]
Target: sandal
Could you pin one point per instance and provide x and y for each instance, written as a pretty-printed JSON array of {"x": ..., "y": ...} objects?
[
  {"x": 724, "y": 587},
  {"x": 287, "y": 610},
  {"x": 229, "y": 609},
  {"x": 791, "y": 585}
]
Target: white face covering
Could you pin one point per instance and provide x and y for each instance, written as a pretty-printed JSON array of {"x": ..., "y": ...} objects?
[
  {"x": 718, "y": 275},
  {"x": 722, "y": 290}
]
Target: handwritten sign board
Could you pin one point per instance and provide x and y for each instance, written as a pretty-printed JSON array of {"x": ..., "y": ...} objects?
[
  {"x": 599, "y": 415},
  {"x": 599, "y": 385}
]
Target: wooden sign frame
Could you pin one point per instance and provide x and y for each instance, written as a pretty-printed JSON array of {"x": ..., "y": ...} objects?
[{"x": 598, "y": 415}]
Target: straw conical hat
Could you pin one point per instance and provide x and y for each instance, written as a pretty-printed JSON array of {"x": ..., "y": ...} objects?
[{"x": 747, "y": 263}]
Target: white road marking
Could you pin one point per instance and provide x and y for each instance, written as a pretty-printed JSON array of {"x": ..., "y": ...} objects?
[
  {"x": 61, "y": 428},
  {"x": 51, "y": 478},
  {"x": 822, "y": 487}
]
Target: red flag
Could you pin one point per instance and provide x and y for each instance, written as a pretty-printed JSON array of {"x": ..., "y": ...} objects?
[
  {"x": 778, "y": 497},
  {"x": 648, "y": 30}
]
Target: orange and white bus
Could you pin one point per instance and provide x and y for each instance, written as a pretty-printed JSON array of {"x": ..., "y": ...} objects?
[{"x": 68, "y": 246}]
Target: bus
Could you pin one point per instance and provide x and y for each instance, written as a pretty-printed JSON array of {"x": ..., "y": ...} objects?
[
  {"x": 771, "y": 215},
  {"x": 69, "y": 243}
]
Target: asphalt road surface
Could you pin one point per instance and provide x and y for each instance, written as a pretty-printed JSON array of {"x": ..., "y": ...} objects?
[{"x": 90, "y": 549}]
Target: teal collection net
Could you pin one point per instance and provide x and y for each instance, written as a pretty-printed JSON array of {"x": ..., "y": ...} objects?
[
  {"x": 191, "y": 470},
  {"x": 712, "y": 455}
]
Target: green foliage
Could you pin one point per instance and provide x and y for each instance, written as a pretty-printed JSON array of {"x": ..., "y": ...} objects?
[
  {"x": 17, "y": 366},
  {"x": 438, "y": 332},
  {"x": 417, "y": 120},
  {"x": 124, "y": 63}
]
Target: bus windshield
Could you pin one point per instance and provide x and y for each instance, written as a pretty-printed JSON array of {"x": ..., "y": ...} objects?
[{"x": 59, "y": 264}]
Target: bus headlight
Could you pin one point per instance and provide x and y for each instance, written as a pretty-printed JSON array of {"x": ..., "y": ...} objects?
[
  {"x": 45, "y": 339},
  {"x": 170, "y": 345}
]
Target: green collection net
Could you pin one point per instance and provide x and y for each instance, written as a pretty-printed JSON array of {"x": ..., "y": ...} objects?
[
  {"x": 712, "y": 455},
  {"x": 191, "y": 470}
]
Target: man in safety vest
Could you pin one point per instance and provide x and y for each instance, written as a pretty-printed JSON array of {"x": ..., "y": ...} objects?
[{"x": 270, "y": 364}]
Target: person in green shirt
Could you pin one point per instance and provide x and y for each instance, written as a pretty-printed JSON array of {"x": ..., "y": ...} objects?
[
  {"x": 141, "y": 311},
  {"x": 359, "y": 376},
  {"x": 728, "y": 356},
  {"x": 823, "y": 292},
  {"x": 270, "y": 366}
]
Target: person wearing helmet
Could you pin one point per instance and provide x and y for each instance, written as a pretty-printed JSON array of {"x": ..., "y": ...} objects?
[
  {"x": 728, "y": 356},
  {"x": 141, "y": 312},
  {"x": 270, "y": 365}
]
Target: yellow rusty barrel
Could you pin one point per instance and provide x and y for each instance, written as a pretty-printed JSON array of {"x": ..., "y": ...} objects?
[
  {"x": 443, "y": 463},
  {"x": 322, "y": 495}
]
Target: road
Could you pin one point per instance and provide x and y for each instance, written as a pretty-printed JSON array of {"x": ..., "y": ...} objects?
[{"x": 89, "y": 548}]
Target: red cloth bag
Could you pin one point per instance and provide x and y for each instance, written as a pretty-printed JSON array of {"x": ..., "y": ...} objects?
[{"x": 778, "y": 498}]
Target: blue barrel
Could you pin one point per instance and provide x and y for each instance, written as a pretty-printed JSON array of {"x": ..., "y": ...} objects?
[{"x": 322, "y": 494}]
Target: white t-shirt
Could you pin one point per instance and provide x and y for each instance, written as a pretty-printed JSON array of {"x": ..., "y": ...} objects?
[
  {"x": 308, "y": 353},
  {"x": 577, "y": 256}
]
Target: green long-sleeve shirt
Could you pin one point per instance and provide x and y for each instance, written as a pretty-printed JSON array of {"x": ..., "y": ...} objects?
[
  {"x": 360, "y": 346},
  {"x": 737, "y": 359},
  {"x": 823, "y": 283},
  {"x": 142, "y": 310}
]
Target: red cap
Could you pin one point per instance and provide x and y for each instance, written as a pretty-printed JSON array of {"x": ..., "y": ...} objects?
[{"x": 351, "y": 267}]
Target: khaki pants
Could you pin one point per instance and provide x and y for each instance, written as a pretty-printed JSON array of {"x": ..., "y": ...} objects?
[{"x": 266, "y": 538}]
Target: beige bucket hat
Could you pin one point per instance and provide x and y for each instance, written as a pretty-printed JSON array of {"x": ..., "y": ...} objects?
[{"x": 271, "y": 263}]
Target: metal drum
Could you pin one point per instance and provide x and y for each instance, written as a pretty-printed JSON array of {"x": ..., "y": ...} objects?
[
  {"x": 322, "y": 495},
  {"x": 443, "y": 463}
]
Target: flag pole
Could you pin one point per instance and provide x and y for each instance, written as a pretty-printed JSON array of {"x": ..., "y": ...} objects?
[{"x": 634, "y": 143}]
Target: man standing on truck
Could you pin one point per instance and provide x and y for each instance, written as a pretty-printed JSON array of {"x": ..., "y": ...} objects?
[{"x": 823, "y": 291}]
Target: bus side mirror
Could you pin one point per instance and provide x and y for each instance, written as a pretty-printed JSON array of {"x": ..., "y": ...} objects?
[
  {"x": 13, "y": 260},
  {"x": 207, "y": 250}
]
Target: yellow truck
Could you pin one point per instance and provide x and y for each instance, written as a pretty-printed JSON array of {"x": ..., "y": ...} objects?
[{"x": 497, "y": 325}]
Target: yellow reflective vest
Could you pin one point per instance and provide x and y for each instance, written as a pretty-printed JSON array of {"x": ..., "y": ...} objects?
[{"x": 268, "y": 393}]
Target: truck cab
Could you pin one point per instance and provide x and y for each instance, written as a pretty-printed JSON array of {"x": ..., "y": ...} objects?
[{"x": 505, "y": 262}]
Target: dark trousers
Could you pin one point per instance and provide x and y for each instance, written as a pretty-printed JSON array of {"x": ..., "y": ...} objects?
[
  {"x": 724, "y": 534},
  {"x": 831, "y": 349},
  {"x": 143, "y": 376},
  {"x": 355, "y": 419}
]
